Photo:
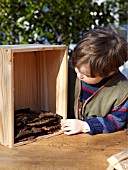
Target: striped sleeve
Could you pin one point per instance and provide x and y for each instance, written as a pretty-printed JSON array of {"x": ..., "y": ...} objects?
[{"x": 114, "y": 121}]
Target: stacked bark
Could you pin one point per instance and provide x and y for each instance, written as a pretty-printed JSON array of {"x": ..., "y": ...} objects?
[
  {"x": 31, "y": 124},
  {"x": 118, "y": 161}
]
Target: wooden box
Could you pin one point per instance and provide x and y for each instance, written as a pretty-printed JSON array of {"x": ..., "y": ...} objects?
[{"x": 33, "y": 76}]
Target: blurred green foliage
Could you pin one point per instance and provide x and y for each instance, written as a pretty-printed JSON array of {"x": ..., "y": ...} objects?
[{"x": 55, "y": 21}]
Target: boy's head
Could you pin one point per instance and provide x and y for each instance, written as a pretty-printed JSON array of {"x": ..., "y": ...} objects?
[{"x": 101, "y": 52}]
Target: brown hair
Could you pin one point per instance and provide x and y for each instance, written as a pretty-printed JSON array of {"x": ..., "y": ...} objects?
[{"x": 103, "y": 50}]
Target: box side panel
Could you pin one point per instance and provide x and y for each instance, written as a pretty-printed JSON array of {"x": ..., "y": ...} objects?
[
  {"x": 25, "y": 80},
  {"x": 6, "y": 99},
  {"x": 32, "y": 47},
  {"x": 48, "y": 68},
  {"x": 52, "y": 81},
  {"x": 62, "y": 85}
]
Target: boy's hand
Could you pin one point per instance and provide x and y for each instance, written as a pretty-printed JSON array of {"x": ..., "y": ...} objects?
[{"x": 74, "y": 126}]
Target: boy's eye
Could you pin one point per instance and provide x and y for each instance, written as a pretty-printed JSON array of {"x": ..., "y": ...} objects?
[
  {"x": 83, "y": 74},
  {"x": 88, "y": 76}
]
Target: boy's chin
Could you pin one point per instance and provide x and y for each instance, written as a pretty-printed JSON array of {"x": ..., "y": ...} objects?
[{"x": 92, "y": 82}]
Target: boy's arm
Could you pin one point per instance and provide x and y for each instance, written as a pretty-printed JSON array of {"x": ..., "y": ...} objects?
[{"x": 114, "y": 121}]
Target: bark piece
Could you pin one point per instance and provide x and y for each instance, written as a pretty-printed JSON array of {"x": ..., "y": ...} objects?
[
  {"x": 31, "y": 124},
  {"x": 41, "y": 122},
  {"x": 49, "y": 114}
]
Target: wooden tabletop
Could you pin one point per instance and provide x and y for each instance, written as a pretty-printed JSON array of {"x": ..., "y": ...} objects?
[{"x": 77, "y": 152}]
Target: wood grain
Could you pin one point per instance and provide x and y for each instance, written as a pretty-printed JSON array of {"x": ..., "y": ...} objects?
[{"x": 33, "y": 76}]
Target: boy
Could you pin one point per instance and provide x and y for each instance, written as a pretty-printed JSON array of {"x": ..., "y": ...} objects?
[{"x": 101, "y": 97}]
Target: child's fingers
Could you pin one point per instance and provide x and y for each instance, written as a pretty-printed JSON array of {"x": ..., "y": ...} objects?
[
  {"x": 69, "y": 132},
  {"x": 67, "y": 128}
]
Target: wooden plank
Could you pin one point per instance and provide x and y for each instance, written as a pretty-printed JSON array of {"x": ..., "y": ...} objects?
[
  {"x": 32, "y": 47},
  {"x": 6, "y": 98},
  {"x": 62, "y": 83},
  {"x": 122, "y": 165},
  {"x": 118, "y": 157}
]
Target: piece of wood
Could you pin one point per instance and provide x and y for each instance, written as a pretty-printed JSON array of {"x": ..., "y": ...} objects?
[
  {"x": 122, "y": 165},
  {"x": 61, "y": 86},
  {"x": 118, "y": 157},
  {"x": 31, "y": 47},
  {"x": 6, "y": 98}
]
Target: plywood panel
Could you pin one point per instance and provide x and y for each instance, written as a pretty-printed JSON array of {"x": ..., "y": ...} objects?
[{"x": 25, "y": 80}]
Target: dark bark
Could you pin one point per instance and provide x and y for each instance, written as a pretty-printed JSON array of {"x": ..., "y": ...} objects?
[{"x": 30, "y": 124}]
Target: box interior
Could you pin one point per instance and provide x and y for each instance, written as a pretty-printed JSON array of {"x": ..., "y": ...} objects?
[{"x": 35, "y": 79}]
